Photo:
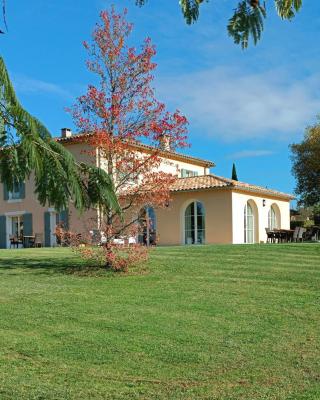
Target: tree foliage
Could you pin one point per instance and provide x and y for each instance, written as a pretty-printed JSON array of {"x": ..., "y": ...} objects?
[
  {"x": 234, "y": 175},
  {"x": 247, "y": 20},
  {"x": 27, "y": 147},
  {"x": 122, "y": 113},
  {"x": 306, "y": 167}
]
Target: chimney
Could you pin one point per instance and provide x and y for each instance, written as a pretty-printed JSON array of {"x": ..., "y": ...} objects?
[
  {"x": 165, "y": 143},
  {"x": 66, "y": 133}
]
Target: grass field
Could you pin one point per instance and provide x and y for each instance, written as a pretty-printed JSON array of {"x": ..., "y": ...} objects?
[{"x": 212, "y": 322}]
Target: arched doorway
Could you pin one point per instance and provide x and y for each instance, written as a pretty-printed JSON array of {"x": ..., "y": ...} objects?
[
  {"x": 194, "y": 223},
  {"x": 250, "y": 222},
  {"x": 147, "y": 227}
]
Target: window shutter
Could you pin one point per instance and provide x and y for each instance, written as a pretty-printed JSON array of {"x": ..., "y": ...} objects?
[
  {"x": 27, "y": 224},
  {"x": 64, "y": 218},
  {"x": 47, "y": 241},
  {"x": 3, "y": 232},
  {"x": 5, "y": 192},
  {"x": 22, "y": 190}
]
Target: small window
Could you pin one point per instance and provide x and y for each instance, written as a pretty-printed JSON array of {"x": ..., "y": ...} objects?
[
  {"x": 17, "y": 192},
  {"x": 186, "y": 173}
]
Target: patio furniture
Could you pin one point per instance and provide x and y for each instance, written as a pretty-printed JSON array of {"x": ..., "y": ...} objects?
[
  {"x": 14, "y": 241},
  {"x": 38, "y": 240},
  {"x": 301, "y": 234},
  {"x": 283, "y": 235},
  {"x": 296, "y": 233},
  {"x": 118, "y": 241},
  {"x": 316, "y": 233},
  {"x": 270, "y": 235},
  {"x": 28, "y": 241}
]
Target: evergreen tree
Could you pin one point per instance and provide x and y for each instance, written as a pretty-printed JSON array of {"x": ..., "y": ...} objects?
[
  {"x": 234, "y": 172},
  {"x": 306, "y": 167}
]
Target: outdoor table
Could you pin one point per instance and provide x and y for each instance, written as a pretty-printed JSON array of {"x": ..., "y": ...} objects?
[
  {"x": 283, "y": 235},
  {"x": 27, "y": 239}
]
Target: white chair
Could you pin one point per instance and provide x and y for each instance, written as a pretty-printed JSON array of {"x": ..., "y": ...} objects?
[
  {"x": 103, "y": 238},
  {"x": 132, "y": 240},
  {"x": 301, "y": 233},
  {"x": 296, "y": 233},
  {"x": 119, "y": 241}
]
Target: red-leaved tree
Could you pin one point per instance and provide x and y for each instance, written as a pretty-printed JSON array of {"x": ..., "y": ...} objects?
[{"x": 122, "y": 115}]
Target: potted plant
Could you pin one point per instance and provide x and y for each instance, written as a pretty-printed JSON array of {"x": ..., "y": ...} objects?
[{"x": 316, "y": 214}]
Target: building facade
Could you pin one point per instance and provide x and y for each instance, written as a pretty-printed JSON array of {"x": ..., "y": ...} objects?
[{"x": 205, "y": 208}]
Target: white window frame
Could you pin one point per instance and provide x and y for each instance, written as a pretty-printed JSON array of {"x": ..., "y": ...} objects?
[
  {"x": 272, "y": 218},
  {"x": 195, "y": 216},
  {"x": 246, "y": 230},
  {"x": 14, "y": 195}
]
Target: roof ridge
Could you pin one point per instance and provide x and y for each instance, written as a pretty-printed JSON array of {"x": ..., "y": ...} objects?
[
  {"x": 203, "y": 161},
  {"x": 199, "y": 182}
]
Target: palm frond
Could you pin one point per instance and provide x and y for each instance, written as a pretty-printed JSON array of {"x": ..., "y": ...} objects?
[
  {"x": 287, "y": 9},
  {"x": 246, "y": 21},
  {"x": 27, "y": 147}
]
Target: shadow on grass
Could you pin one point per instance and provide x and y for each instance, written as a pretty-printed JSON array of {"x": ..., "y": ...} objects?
[
  {"x": 44, "y": 262},
  {"x": 56, "y": 261}
]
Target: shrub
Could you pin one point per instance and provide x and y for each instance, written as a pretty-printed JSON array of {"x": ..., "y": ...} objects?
[{"x": 115, "y": 257}]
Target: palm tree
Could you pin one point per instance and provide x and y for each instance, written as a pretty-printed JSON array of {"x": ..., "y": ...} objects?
[{"x": 26, "y": 146}]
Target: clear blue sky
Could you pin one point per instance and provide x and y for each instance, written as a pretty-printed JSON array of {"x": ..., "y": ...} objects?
[{"x": 243, "y": 106}]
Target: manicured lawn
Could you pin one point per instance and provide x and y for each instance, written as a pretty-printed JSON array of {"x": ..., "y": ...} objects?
[{"x": 212, "y": 322}]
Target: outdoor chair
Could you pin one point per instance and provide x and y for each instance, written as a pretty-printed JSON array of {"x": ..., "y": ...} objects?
[
  {"x": 118, "y": 241},
  {"x": 38, "y": 240},
  {"x": 296, "y": 233},
  {"x": 270, "y": 235},
  {"x": 31, "y": 242},
  {"x": 282, "y": 237},
  {"x": 300, "y": 237},
  {"x": 14, "y": 242}
]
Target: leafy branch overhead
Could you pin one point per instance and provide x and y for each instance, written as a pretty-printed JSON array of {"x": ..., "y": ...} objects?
[
  {"x": 27, "y": 147},
  {"x": 247, "y": 20}
]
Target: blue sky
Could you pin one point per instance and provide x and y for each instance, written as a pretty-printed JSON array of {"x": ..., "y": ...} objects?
[{"x": 243, "y": 106}]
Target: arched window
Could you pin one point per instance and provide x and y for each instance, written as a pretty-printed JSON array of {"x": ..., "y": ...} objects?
[
  {"x": 194, "y": 223},
  {"x": 273, "y": 218},
  {"x": 248, "y": 224},
  {"x": 148, "y": 228}
]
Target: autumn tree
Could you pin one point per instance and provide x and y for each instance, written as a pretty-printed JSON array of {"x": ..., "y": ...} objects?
[
  {"x": 247, "y": 19},
  {"x": 306, "y": 166},
  {"x": 130, "y": 128}
]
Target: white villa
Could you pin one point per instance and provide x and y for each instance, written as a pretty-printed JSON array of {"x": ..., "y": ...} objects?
[{"x": 205, "y": 208}]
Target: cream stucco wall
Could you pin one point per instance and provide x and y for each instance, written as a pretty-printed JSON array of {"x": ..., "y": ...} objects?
[
  {"x": 169, "y": 166},
  {"x": 224, "y": 218},
  {"x": 218, "y": 217},
  {"x": 24, "y": 206},
  {"x": 78, "y": 223},
  {"x": 239, "y": 199}
]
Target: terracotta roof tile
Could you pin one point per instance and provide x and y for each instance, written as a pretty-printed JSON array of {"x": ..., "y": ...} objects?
[
  {"x": 217, "y": 182},
  {"x": 78, "y": 138}
]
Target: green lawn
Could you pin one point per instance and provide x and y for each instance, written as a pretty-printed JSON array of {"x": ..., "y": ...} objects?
[{"x": 212, "y": 322}]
